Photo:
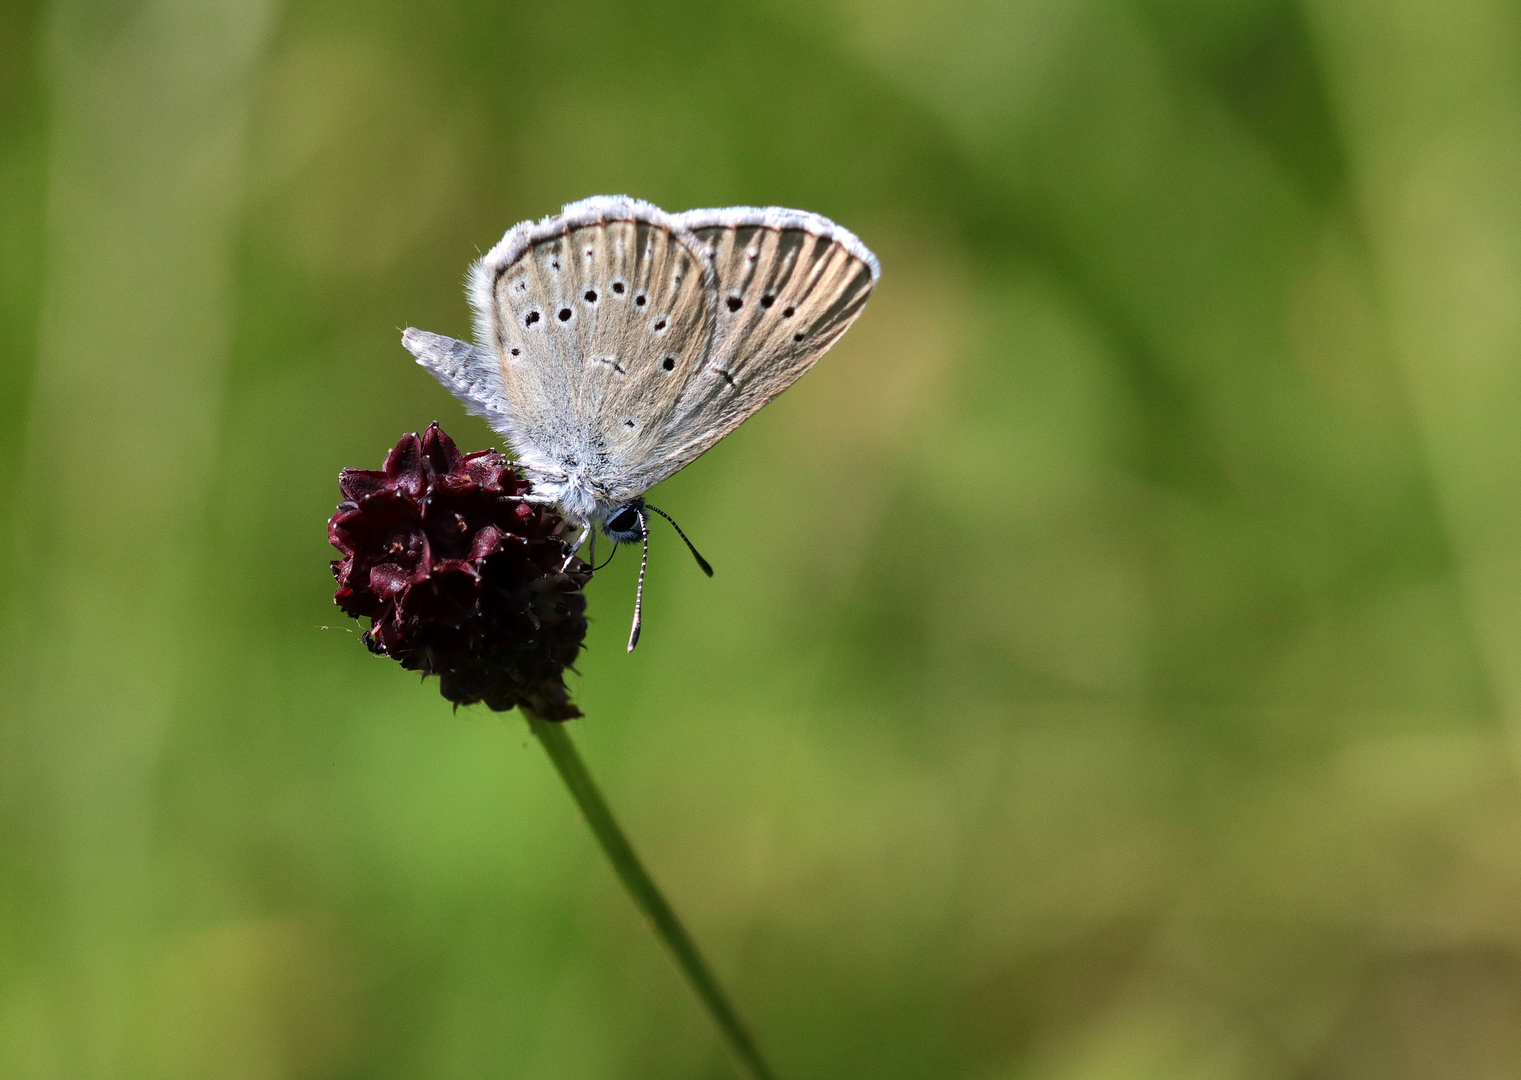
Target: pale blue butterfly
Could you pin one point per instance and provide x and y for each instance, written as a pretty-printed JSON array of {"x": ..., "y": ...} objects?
[{"x": 617, "y": 342}]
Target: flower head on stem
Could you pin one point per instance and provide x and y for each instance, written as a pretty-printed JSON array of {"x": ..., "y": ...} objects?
[{"x": 461, "y": 578}]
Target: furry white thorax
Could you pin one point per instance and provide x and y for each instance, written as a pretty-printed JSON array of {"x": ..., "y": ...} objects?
[{"x": 577, "y": 499}]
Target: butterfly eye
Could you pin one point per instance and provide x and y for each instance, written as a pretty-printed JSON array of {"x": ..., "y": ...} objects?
[
  {"x": 767, "y": 300},
  {"x": 669, "y": 363},
  {"x": 638, "y": 300},
  {"x": 531, "y": 318},
  {"x": 735, "y": 303},
  {"x": 591, "y": 296},
  {"x": 618, "y": 287},
  {"x": 624, "y": 526},
  {"x": 565, "y": 314}
]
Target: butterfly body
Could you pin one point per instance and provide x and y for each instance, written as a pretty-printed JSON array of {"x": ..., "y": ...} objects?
[{"x": 615, "y": 343}]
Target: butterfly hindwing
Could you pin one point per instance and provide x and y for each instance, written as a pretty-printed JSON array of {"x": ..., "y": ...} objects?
[{"x": 598, "y": 317}]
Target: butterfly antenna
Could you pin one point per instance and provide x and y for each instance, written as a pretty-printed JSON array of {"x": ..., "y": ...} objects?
[
  {"x": 606, "y": 560},
  {"x": 644, "y": 561},
  {"x": 593, "y": 560},
  {"x": 706, "y": 569}
]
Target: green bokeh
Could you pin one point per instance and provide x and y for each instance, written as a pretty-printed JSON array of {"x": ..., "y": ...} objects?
[{"x": 1113, "y": 669}]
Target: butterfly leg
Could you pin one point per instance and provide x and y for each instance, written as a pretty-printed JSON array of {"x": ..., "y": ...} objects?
[{"x": 586, "y": 531}]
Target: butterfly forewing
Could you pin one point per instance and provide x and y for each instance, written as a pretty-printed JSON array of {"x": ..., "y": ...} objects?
[
  {"x": 788, "y": 285},
  {"x": 597, "y": 325}
]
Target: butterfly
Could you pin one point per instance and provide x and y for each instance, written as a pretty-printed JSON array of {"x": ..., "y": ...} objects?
[{"x": 615, "y": 343}]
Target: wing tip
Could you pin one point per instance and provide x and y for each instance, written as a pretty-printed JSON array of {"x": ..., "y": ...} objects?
[
  {"x": 781, "y": 217},
  {"x": 518, "y": 239},
  {"x": 589, "y": 211},
  {"x": 599, "y": 208},
  {"x": 414, "y": 340}
]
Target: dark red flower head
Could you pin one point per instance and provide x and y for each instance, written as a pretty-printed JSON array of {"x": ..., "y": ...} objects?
[{"x": 459, "y": 578}]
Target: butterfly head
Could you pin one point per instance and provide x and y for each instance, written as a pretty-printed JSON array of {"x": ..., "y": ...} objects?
[{"x": 629, "y": 523}]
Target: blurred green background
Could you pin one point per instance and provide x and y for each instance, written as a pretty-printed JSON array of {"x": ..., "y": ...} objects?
[{"x": 1113, "y": 670}]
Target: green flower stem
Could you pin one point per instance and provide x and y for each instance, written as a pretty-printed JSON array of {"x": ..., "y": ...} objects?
[{"x": 646, "y": 896}]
